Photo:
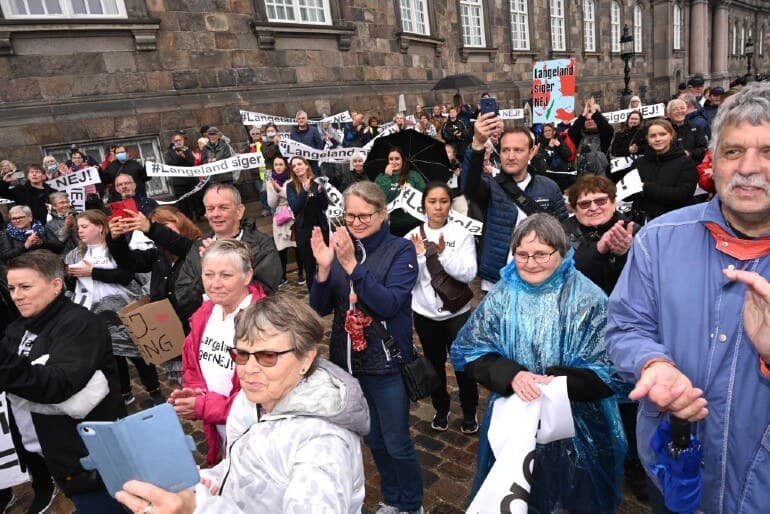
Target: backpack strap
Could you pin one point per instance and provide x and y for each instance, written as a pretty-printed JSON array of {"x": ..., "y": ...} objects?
[{"x": 519, "y": 197}]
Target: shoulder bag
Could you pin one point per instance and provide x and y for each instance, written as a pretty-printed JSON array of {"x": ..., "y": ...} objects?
[
  {"x": 519, "y": 197},
  {"x": 420, "y": 379},
  {"x": 454, "y": 294}
]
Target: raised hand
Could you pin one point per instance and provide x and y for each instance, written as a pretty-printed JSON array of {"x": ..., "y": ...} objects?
[
  {"x": 419, "y": 244},
  {"x": 756, "y": 309},
  {"x": 670, "y": 391},
  {"x": 324, "y": 255}
]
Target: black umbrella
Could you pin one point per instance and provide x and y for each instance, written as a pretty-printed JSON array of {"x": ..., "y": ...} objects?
[
  {"x": 422, "y": 153},
  {"x": 461, "y": 80}
]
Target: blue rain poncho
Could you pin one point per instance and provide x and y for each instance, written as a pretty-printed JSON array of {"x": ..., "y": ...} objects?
[{"x": 557, "y": 323}]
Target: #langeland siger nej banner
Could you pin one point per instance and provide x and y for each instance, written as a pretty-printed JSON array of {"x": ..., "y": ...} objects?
[{"x": 553, "y": 91}]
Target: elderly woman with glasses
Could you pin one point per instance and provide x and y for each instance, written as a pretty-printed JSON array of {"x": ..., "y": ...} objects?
[
  {"x": 600, "y": 236},
  {"x": 544, "y": 319},
  {"x": 365, "y": 266},
  {"x": 208, "y": 374},
  {"x": 24, "y": 233},
  {"x": 293, "y": 428}
]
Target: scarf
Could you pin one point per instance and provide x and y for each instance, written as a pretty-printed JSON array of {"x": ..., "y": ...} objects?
[
  {"x": 280, "y": 178},
  {"x": 21, "y": 234}
]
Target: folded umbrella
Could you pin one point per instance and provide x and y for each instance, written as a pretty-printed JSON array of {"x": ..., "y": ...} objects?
[
  {"x": 679, "y": 458},
  {"x": 423, "y": 154}
]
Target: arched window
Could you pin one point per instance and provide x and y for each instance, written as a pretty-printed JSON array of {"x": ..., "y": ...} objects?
[
  {"x": 589, "y": 26},
  {"x": 637, "y": 29},
  {"x": 615, "y": 26},
  {"x": 677, "y": 27},
  {"x": 558, "y": 37}
]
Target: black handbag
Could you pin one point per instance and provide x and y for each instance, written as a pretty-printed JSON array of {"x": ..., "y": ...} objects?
[
  {"x": 420, "y": 379},
  {"x": 454, "y": 294}
]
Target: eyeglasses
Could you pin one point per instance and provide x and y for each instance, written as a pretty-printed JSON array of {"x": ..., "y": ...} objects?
[
  {"x": 600, "y": 202},
  {"x": 363, "y": 218},
  {"x": 265, "y": 358},
  {"x": 539, "y": 257}
]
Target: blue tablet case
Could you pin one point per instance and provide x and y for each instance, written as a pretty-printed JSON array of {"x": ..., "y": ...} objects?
[{"x": 149, "y": 446}]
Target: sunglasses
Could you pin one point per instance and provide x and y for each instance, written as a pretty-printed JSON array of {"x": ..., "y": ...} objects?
[
  {"x": 600, "y": 202},
  {"x": 265, "y": 358}
]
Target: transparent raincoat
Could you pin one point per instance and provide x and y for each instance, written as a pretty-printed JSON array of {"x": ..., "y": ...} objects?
[{"x": 557, "y": 323}]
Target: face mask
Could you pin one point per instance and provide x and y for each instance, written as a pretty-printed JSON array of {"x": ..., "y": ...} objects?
[
  {"x": 270, "y": 135},
  {"x": 266, "y": 139},
  {"x": 52, "y": 167},
  {"x": 121, "y": 156}
]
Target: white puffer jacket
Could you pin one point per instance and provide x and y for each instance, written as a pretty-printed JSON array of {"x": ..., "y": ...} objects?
[{"x": 304, "y": 457}]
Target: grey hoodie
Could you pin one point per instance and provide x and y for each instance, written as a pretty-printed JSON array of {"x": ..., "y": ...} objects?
[{"x": 303, "y": 457}]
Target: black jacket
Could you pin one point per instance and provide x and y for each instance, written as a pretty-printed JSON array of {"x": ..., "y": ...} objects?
[
  {"x": 174, "y": 159},
  {"x": 669, "y": 182},
  {"x": 10, "y": 247},
  {"x": 78, "y": 344},
  {"x": 627, "y": 137},
  {"x": 602, "y": 269},
  {"x": 130, "y": 167},
  {"x": 34, "y": 198},
  {"x": 163, "y": 272},
  {"x": 692, "y": 139},
  {"x": 264, "y": 260},
  {"x": 575, "y": 131}
]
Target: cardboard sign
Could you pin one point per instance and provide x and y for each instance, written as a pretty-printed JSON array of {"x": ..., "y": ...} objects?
[
  {"x": 10, "y": 469},
  {"x": 155, "y": 329}
]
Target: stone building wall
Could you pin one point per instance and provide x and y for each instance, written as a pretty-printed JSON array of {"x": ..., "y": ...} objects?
[{"x": 206, "y": 59}]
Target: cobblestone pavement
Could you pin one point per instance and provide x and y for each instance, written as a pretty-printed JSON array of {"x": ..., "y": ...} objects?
[{"x": 448, "y": 458}]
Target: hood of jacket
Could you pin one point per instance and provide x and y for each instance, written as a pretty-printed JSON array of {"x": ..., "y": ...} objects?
[
  {"x": 329, "y": 393},
  {"x": 510, "y": 275},
  {"x": 674, "y": 152}
]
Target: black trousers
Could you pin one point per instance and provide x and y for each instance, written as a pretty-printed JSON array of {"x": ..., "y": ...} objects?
[
  {"x": 284, "y": 255},
  {"x": 305, "y": 258},
  {"x": 436, "y": 338},
  {"x": 147, "y": 374}
]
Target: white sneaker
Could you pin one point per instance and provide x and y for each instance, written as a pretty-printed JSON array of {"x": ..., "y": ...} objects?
[{"x": 387, "y": 509}]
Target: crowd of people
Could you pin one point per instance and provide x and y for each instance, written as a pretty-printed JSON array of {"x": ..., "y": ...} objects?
[{"x": 630, "y": 300}]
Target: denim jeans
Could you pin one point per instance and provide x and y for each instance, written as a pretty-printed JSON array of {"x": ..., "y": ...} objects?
[
  {"x": 390, "y": 442},
  {"x": 97, "y": 502}
]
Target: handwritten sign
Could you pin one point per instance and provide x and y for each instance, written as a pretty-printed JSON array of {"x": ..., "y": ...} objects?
[
  {"x": 155, "y": 329},
  {"x": 74, "y": 183}
]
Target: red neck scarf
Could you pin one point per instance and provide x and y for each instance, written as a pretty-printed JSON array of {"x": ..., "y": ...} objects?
[{"x": 741, "y": 249}]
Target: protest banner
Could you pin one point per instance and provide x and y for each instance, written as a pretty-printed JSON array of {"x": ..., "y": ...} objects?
[
  {"x": 511, "y": 114},
  {"x": 258, "y": 118},
  {"x": 74, "y": 183},
  {"x": 291, "y": 149},
  {"x": 242, "y": 161},
  {"x": 629, "y": 185},
  {"x": 515, "y": 428},
  {"x": 553, "y": 90},
  {"x": 154, "y": 328},
  {"x": 648, "y": 111},
  {"x": 10, "y": 469}
]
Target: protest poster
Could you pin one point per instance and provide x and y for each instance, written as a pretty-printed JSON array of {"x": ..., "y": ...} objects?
[
  {"x": 258, "y": 118},
  {"x": 553, "y": 90},
  {"x": 242, "y": 161},
  {"x": 10, "y": 469},
  {"x": 74, "y": 183},
  {"x": 511, "y": 114},
  {"x": 154, "y": 328},
  {"x": 629, "y": 185}
]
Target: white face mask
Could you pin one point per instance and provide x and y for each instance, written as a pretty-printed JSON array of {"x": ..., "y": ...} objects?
[{"x": 270, "y": 134}]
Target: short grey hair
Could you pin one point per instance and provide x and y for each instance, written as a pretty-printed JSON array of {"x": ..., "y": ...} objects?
[
  {"x": 357, "y": 156},
  {"x": 672, "y": 103},
  {"x": 689, "y": 99},
  {"x": 299, "y": 113},
  {"x": 546, "y": 228},
  {"x": 56, "y": 196},
  {"x": 751, "y": 105},
  {"x": 282, "y": 314},
  {"x": 49, "y": 158},
  {"x": 45, "y": 262},
  {"x": 367, "y": 191},
  {"x": 237, "y": 251},
  {"x": 21, "y": 208},
  {"x": 223, "y": 186}
]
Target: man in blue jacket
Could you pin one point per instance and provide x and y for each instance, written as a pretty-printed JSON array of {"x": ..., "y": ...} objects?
[
  {"x": 501, "y": 212},
  {"x": 689, "y": 320}
]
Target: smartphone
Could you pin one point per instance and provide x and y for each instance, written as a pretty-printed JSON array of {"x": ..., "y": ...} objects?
[
  {"x": 488, "y": 105},
  {"x": 119, "y": 208}
]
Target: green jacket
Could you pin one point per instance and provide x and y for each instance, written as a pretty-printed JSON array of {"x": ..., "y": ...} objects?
[{"x": 389, "y": 185}]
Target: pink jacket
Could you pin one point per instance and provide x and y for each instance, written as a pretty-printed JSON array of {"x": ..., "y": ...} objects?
[{"x": 211, "y": 408}]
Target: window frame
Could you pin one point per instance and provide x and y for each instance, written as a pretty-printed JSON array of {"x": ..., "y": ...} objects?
[
  {"x": 589, "y": 26},
  {"x": 638, "y": 29},
  {"x": 327, "y": 11},
  {"x": 67, "y": 12},
  {"x": 426, "y": 14},
  {"x": 553, "y": 15},
  {"x": 615, "y": 29},
  {"x": 267, "y": 32},
  {"x": 677, "y": 26},
  {"x": 742, "y": 46},
  {"x": 734, "y": 44},
  {"x": 525, "y": 14},
  {"x": 480, "y": 5}
]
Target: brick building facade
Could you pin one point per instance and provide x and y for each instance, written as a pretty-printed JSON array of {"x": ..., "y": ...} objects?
[{"x": 148, "y": 67}]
